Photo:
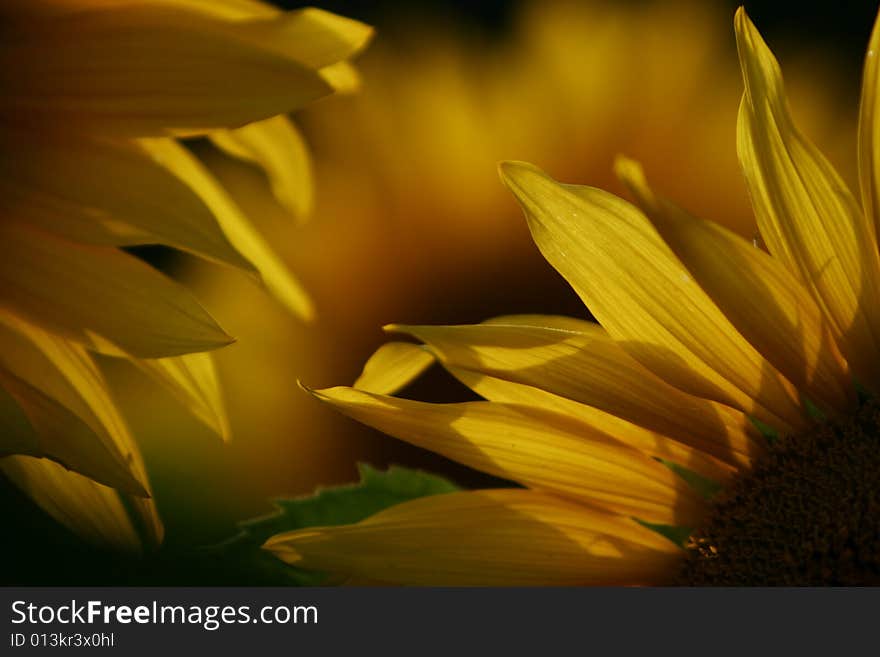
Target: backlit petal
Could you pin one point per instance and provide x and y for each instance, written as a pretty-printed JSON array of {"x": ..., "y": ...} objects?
[
  {"x": 491, "y": 537},
  {"x": 869, "y": 131},
  {"x": 51, "y": 430},
  {"x": 581, "y": 363},
  {"x": 192, "y": 379},
  {"x": 83, "y": 189},
  {"x": 78, "y": 289},
  {"x": 241, "y": 233},
  {"x": 147, "y": 70},
  {"x": 67, "y": 374},
  {"x": 276, "y": 145},
  {"x": 533, "y": 447},
  {"x": 393, "y": 366},
  {"x": 343, "y": 77},
  {"x": 644, "y": 297},
  {"x": 596, "y": 423},
  {"x": 64, "y": 372},
  {"x": 756, "y": 293},
  {"x": 92, "y": 511},
  {"x": 808, "y": 218}
]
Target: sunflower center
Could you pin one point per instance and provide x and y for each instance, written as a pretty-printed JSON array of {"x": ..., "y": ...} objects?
[{"x": 808, "y": 514}]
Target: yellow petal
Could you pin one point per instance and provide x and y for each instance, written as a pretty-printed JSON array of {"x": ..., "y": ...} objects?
[
  {"x": 241, "y": 233},
  {"x": 486, "y": 538},
  {"x": 225, "y": 9},
  {"x": 343, "y": 77},
  {"x": 110, "y": 193},
  {"x": 313, "y": 37},
  {"x": 869, "y": 131},
  {"x": 596, "y": 423},
  {"x": 277, "y": 146},
  {"x": 549, "y": 321},
  {"x": 146, "y": 70},
  {"x": 393, "y": 366},
  {"x": 577, "y": 360},
  {"x": 532, "y": 447},
  {"x": 53, "y": 431},
  {"x": 68, "y": 376},
  {"x": 65, "y": 372},
  {"x": 644, "y": 297},
  {"x": 807, "y": 216},
  {"x": 756, "y": 293},
  {"x": 192, "y": 379},
  {"x": 92, "y": 511},
  {"x": 76, "y": 290}
]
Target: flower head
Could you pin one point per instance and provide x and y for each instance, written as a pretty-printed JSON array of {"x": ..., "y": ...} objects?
[
  {"x": 96, "y": 97},
  {"x": 708, "y": 426}
]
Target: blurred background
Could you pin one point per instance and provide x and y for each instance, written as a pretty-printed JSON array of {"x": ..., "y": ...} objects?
[{"x": 412, "y": 225}]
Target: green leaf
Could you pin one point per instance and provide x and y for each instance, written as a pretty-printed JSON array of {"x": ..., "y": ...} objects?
[
  {"x": 676, "y": 534},
  {"x": 707, "y": 488},
  {"x": 341, "y": 505}
]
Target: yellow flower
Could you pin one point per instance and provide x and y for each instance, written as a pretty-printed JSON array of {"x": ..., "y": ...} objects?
[
  {"x": 96, "y": 95},
  {"x": 720, "y": 371},
  {"x": 391, "y": 246}
]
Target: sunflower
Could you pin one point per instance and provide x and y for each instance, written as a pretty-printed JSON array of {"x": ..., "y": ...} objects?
[
  {"x": 401, "y": 250},
  {"x": 716, "y": 427},
  {"x": 97, "y": 95}
]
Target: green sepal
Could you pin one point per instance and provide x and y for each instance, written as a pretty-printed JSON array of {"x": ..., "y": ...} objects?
[
  {"x": 769, "y": 433},
  {"x": 706, "y": 487},
  {"x": 676, "y": 534},
  {"x": 342, "y": 505}
]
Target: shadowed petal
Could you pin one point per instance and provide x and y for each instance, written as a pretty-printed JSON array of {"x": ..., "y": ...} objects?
[
  {"x": 756, "y": 293},
  {"x": 807, "y": 216},
  {"x": 78, "y": 290},
  {"x": 147, "y": 70},
  {"x": 109, "y": 193},
  {"x": 577, "y": 360},
  {"x": 276, "y": 145},
  {"x": 485, "y": 538},
  {"x": 533, "y": 447},
  {"x": 192, "y": 379},
  {"x": 243, "y": 236},
  {"x": 393, "y": 366}
]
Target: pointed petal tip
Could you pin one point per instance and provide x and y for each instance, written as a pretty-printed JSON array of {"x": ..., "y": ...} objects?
[
  {"x": 359, "y": 33},
  {"x": 744, "y": 28},
  {"x": 632, "y": 175},
  {"x": 627, "y": 169},
  {"x": 510, "y": 171},
  {"x": 222, "y": 339}
]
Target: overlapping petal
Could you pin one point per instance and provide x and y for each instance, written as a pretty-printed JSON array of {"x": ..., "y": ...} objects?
[
  {"x": 92, "y": 511},
  {"x": 143, "y": 69},
  {"x": 808, "y": 218},
  {"x": 393, "y": 366},
  {"x": 644, "y": 297},
  {"x": 757, "y": 294},
  {"x": 597, "y": 423},
  {"x": 82, "y": 188},
  {"x": 192, "y": 379},
  {"x": 277, "y": 146},
  {"x": 485, "y": 538},
  {"x": 869, "y": 132},
  {"x": 531, "y": 446},
  {"x": 79, "y": 290},
  {"x": 577, "y": 360},
  {"x": 78, "y": 399},
  {"x": 238, "y": 229}
]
